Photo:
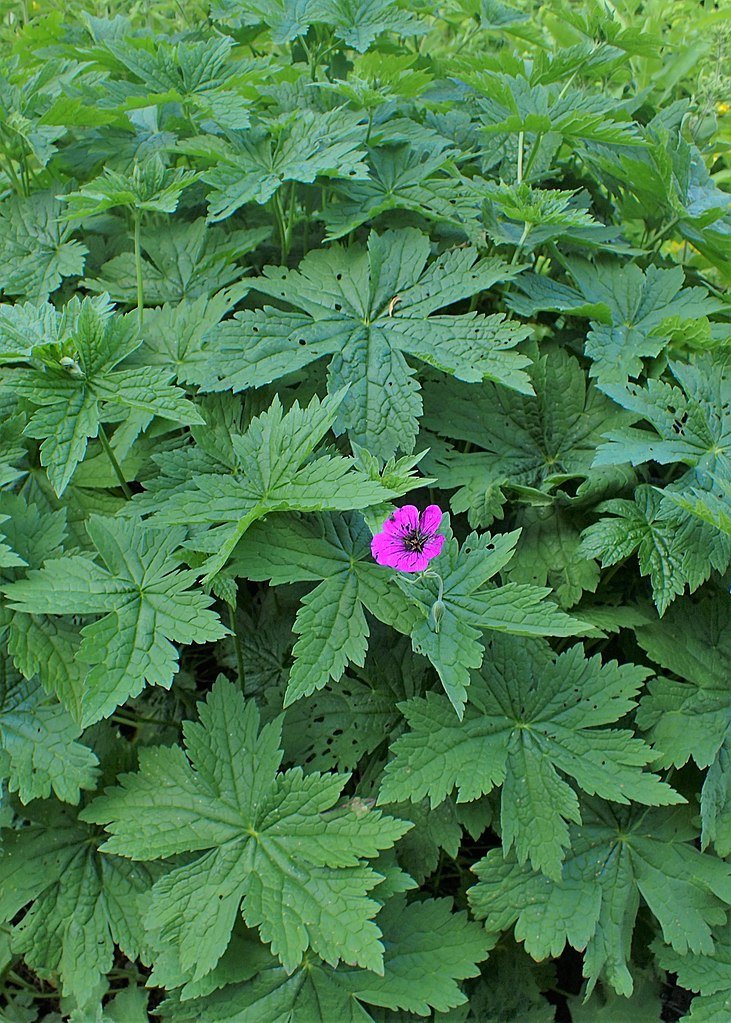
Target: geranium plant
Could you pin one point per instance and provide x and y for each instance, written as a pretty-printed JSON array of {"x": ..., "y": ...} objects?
[{"x": 365, "y": 512}]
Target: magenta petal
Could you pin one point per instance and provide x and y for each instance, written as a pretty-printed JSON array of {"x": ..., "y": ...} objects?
[
  {"x": 411, "y": 561},
  {"x": 431, "y": 519},
  {"x": 402, "y": 520},
  {"x": 387, "y": 550},
  {"x": 433, "y": 547}
]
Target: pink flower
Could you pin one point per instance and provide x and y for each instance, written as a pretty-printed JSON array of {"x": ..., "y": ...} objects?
[{"x": 408, "y": 541}]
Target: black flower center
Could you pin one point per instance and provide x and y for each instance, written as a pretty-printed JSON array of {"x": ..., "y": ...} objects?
[{"x": 414, "y": 540}]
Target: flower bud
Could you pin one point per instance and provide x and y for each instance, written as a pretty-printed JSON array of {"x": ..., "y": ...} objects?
[{"x": 436, "y": 613}]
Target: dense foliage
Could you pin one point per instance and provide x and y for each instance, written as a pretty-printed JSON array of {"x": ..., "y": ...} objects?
[{"x": 268, "y": 272}]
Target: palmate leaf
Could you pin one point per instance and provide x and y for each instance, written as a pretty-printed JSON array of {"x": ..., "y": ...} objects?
[
  {"x": 690, "y": 420},
  {"x": 146, "y": 602},
  {"x": 272, "y": 471},
  {"x": 369, "y": 309},
  {"x": 711, "y": 506},
  {"x": 548, "y": 554},
  {"x": 8, "y": 557},
  {"x": 150, "y": 186},
  {"x": 174, "y": 331},
  {"x": 472, "y": 605},
  {"x": 73, "y": 378},
  {"x": 429, "y": 948},
  {"x": 251, "y": 166},
  {"x": 347, "y": 719},
  {"x": 267, "y": 840},
  {"x": 181, "y": 260},
  {"x": 201, "y": 76},
  {"x": 627, "y": 307},
  {"x": 331, "y": 624},
  {"x": 617, "y": 857},
  {"x": 529, "y": 217},
  {"x": 36, "y": 251},
  {"x": 359, "y": 22},
  {"x": 688, "y": 718},
  {"x": 80, "y": 904},
  {"x": 401, "y": 177},
  {"x": 716, "y": 801},
  {"x": 709, "y": 975},
  {"x": 512, "y": 103},
  {"x": 517, "y": 440},
  {"x": 532, "y": 717},
  {"x": 39, "y": 645},
  {"x": 356, "y": 22},
  {"x": 675, "y": 549},
  {"x": 38, "y": 747}
]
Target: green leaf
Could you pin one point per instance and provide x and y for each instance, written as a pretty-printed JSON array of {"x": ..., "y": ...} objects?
[
  {"x": 707, "y": 974},
  {"x": 74, "y": 383},
  {"x": 181, "y": 261},
  {"x": 272, "y": 471},
  {"x": 716, "y": 801},
  {"x": 36, "y": 251},
  {"x": 252, "y": 166},
  {"x": 548, "y": 554},
  {"x": 402, "y": 177},
  {"x": 200, "y": 75},
  {"x": 39, "y": 645},
  {"x": 38, "y": 748},
  {"x": 633, "y": 304},
  {"x": 429, "y": 949},
  {"x": 472, "y": 605},
  {"x": 643, "y": 1006},
  {"x": 369, "y": 310},
  {"x": 330, "y": 622},
  {"x": 675, "y": 549},
  {"x": 147, "y": 604},
  {"x": 268, "y": 843},
  {"x": 688, "y": 718},
  {"x": 81, "y": 904},
  {"x": 526, "y": 739},
  {"x": 616, "y": 857},
  {"x": 692, "y": 421},
  {"x": 150, "y": 186},
  {"x": 355, "y": 22},
  {"x": 516, "y": 441}
]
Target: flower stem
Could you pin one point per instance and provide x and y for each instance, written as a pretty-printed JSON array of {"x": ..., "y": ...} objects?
[{"x": 113, "y": 459}]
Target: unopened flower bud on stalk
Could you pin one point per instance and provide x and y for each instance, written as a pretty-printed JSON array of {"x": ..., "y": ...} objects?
[{"x": 436, "y": 613}]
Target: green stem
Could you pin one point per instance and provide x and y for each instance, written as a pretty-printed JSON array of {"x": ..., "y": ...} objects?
[
  {"x": 370, "y": 126},
  {"x": 113, "y": 459},
  {"x": 661, "y": 234},
  {"x": 281, "y": 230},
  {"x": 237, "y": 646},
  {"x": 126, "y": 719},
  {"x": 12, "y": 176},
  {"x": 290, "y": 216},
  {"x": 519, "y": 246},
  {"x": 532, "y": 155},
  {"x": 138, "y": 269},
  {"x": 521, "y": 143}
]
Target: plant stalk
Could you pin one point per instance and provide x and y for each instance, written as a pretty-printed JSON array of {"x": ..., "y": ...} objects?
[{"x": 114, "y": 463}]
